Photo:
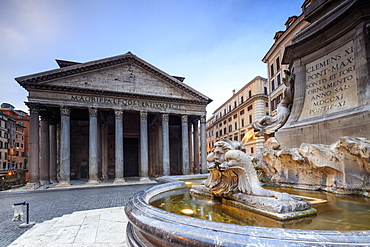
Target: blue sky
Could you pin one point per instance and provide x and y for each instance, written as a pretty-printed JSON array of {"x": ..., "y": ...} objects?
[{"x": 217, "y": 45}]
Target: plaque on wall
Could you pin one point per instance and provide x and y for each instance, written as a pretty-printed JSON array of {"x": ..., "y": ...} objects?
[{"x": 330, "y": 85}]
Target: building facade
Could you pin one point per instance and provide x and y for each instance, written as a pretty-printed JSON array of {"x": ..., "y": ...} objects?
[
  {"x": 4, "y": 141},
  {"x": 18, "y": 124},
  {"x": 273, "y": 58},
  {"x": 232, "y": 120},
  {"x": 112, "y": 118}
]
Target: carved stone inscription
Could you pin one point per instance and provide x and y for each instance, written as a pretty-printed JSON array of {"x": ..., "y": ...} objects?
[
  {"x": 330, "y": 83},
  {"x": 124, "y": 102}
]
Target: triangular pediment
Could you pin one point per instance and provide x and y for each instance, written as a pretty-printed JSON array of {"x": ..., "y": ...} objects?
[{"x": 126, "y": 74}]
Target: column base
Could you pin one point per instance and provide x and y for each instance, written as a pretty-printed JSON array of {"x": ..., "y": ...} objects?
[
  {"x": 53, "y": 181},
  {"x": 44, "y": 182},
  {"x": 119, "y": 181},
  {"x": 145, "y": 179},
  {"x": 93, "y": 182},
  {"x": 63, "y": 183},
  {"x": 33, "y": 186}
]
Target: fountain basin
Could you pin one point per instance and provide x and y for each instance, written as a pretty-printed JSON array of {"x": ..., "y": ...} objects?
[{"x": 151, "y": 226}]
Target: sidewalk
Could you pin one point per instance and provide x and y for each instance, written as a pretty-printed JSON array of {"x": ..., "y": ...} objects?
[
  {"x": 79, "y": 184},
  {"x": 100, "y": 227}
]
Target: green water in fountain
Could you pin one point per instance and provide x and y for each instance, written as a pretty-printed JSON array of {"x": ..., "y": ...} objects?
[{"x": 334, "y": 212}]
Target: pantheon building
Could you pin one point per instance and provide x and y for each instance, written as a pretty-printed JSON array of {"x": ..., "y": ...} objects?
[{"x": 113, "y": 118}]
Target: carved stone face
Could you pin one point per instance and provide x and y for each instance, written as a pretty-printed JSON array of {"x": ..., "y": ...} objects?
[{"x": 219, "y": 155}]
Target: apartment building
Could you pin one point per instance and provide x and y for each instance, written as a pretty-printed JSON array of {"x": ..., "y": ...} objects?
[
  {"x": 232, "y": 120},
  {"x": 4, "y": 137},
  {"x": 17, "y": 137},
  {"x": 274, "y": 56}
]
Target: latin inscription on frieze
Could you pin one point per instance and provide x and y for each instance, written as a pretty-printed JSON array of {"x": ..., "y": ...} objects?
[
  {"x": 330, "y": 83},
  {"x": 124, "y": 102}
]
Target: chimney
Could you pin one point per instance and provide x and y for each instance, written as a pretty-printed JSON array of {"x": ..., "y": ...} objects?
[{"x": 233, "y": 91}]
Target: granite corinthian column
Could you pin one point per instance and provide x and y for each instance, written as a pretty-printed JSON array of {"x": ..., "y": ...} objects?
[
  {"x": 203, "y": 144},
  {"x": 53, "y": 151},
  {"x": 44, "y": 149},
  {"x": 119, "y": 162},
  {"x": 185, "y": 145},
  {"x": 65, "y": 146},
  {"x": 144, "y": 169},
  {"x": 196, "y": 147},
  {"x": 93, "y": 146},
  {"x": 166, "y": 145},
  {"x": 33, "y": 164}
]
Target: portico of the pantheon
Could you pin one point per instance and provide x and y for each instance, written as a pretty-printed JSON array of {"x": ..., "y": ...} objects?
[{"x": 116, "y": 117}]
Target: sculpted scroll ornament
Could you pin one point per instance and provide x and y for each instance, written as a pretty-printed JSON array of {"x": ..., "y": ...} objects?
[{"x": 268, "y": 125}]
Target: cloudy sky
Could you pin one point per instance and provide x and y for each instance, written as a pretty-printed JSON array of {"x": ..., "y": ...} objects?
[{"x": 217, "y": 45}]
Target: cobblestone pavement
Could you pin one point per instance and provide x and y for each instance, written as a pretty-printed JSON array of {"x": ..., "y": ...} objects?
[{"x": 48, "y": 204}]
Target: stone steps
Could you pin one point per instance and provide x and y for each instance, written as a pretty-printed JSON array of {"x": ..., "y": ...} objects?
[{"x": 102, "y": 227}]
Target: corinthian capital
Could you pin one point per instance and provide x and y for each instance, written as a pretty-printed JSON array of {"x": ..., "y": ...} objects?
[
  {"x": 118, "y": 113},
  {"x": 34, "y": 107},
  {"x": 184, "y": 118},
  {"x": 93, "y": 112},
  {"x": 143, "y": 114},
  {"x": 165, "y": 117},
  {"x": 65, "y": 110}
]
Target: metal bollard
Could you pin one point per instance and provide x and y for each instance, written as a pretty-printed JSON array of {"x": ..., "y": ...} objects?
[{"x": 27, "y": 214}]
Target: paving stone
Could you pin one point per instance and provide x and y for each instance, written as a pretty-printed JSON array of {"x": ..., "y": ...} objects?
[{"x": 48, "y": 204}]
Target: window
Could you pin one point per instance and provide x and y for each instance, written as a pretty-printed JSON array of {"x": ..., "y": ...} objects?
[
  {"x": 278, "y": 80},
  {"x": 241, "y": 99},
  {"x": 1, "y": 144},
  {"x": 224, "y": 131},
  {"x": 235, "y": 138},
  {"x": 250, "y": 107},
  {"x": 220, "y": 124},
  {"x": 230, "y": 128},
  {"x": 272, "y": 85},
  {"x": 242, "y": 122},
  {"x": 229, "y": 108},
  {"x": 216, "y": 134},
  {"x": 277, "y": 63},
  {"x": 22, "y": 146},
  {"x": 229, "y": 119},
  {"x": 236, "y": 125},
  {"x": 17, "y": 153},
  {"x": 22, "y": 138},
  {"x": 225, "y": 122},
  {"x": 224, "y": 112},
  {"x": 267, "y": 104},
  {"x": 265, "y": 91},
  {"x": 252, "y": 150},
  {"x": 16, "y": 136},
  {"x": 267, "y": 114},
  {"x": 220, "y": 133},
  {"x": 249, "y": 93},
  {"x": 250, "y": 119},
  {"x": 242, "y": 112},
  {"x": 271, "y": 69},
  {"x": 234, "y": 104},
  {"x": 235, "y": 116},
  {"x": 1, "y": 155},
  {"x": 242, "y": 136}
]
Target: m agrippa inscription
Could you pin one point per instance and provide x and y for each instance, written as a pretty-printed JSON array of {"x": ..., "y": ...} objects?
[{"x": 330, "y": 83}]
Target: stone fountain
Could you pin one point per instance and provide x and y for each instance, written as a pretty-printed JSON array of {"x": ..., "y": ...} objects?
[
  {"x": 233, "y": 179},
  {"x": 317, "y": 140}
]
